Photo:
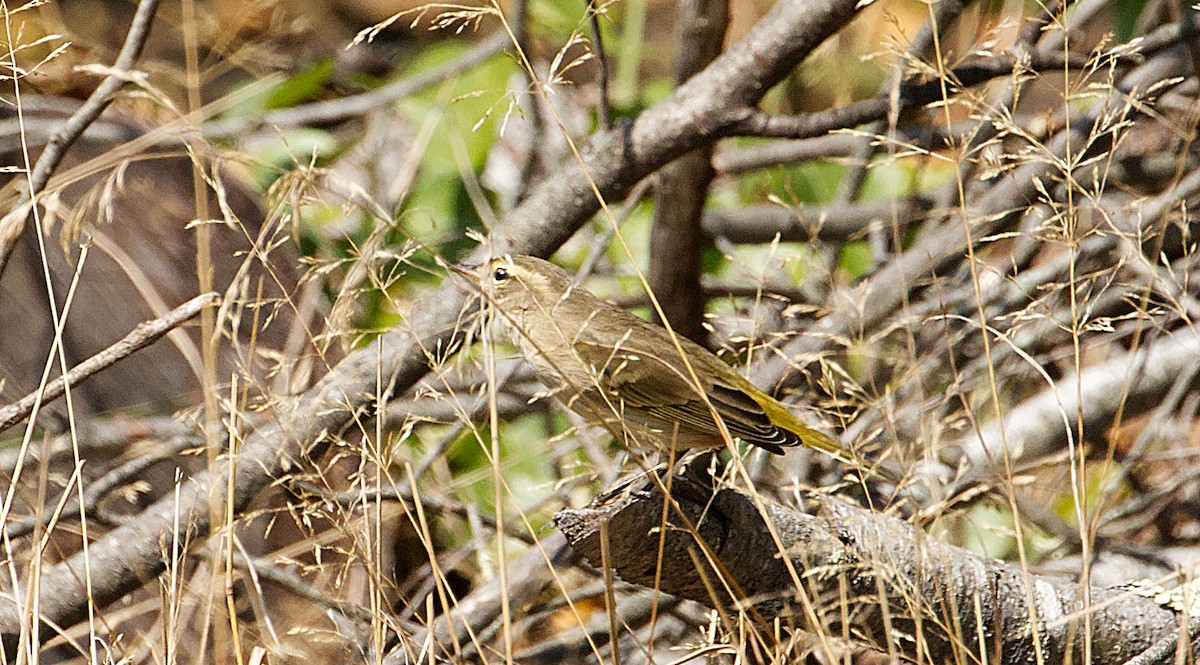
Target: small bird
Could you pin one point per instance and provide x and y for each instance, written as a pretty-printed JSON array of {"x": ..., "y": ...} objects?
[{"x": 627, "y": 374}]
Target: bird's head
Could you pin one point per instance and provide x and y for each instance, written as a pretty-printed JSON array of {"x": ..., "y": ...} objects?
[{"x": 518, "y": 282}]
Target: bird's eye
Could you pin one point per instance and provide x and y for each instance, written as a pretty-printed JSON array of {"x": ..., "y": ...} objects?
[{"x": 500, "y": 274}]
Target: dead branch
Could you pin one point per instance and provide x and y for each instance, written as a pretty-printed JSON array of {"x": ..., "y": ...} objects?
[
  {"x": 453, "y": 635},
  {"x": 13, "y": 224},
  {"x": 343, "y": 108},
  {"x": 761, "y": 223},
  {"x": 143, "y": 335},
  {"x": 944, "y": 245},
  {"x": 873, "y": 577},
  {"x": 1131, "y": 383}
]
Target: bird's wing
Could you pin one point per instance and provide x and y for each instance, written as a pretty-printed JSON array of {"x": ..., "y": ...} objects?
[
  {"x": 662, "y": 387},
  {"x": 746, "y": 419},
  {"x": 639, "y": 378}
]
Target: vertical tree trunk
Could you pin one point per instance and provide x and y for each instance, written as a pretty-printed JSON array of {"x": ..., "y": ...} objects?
[{"x": 676, "y": 240}]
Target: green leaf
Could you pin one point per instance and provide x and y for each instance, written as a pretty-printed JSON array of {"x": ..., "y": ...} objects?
[{"x": 301, "y": 87}]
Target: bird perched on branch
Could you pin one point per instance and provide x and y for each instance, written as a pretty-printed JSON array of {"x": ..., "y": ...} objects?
[{"x": 629, "y": 375}]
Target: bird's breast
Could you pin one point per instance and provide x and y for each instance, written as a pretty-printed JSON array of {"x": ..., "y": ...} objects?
[{"x": 549, "y": 350}]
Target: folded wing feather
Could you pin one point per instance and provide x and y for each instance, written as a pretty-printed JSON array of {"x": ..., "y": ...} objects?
[{"x": 663, "y": 388}]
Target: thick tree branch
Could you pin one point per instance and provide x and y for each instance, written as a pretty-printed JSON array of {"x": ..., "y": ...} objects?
[{"x": 856, "y": 566}]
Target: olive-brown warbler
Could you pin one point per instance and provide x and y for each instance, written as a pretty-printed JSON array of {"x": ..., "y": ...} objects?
[{"x": 619, "y": 371}]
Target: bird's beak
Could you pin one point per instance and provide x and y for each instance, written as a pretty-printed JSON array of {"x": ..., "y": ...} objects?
[
  {"x": 466, "y": 276},
  {"x": 470, "y": 271}
]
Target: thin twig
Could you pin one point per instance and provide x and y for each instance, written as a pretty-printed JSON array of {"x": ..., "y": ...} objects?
[
  {"x": 753, "y": 122},
  {"x": 600, "y": 243},
  {"x": 103, "y": 486},
  {"x": 944, "y": 14},
  {"x": 837, "y": 223},
  {"x": 531, "y": 161},
  {"x": 106, "y": 436},
  {"x": 331, "y": 111},
  {"x": 13, "y": 224},
  {"x": 603, "y": 111},
  {"x": 145, "y": 334},
  {"x": 356, "y": 499}
]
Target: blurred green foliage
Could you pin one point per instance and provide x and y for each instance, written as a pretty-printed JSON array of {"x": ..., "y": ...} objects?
[
  {"x": 523, "y": 461},
  {"x": 1104, "y": 484},
  {"x": 437, "y": 211},
  {"x": 1128, "y": 13},
  {"x": 301, "y": 87}
]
